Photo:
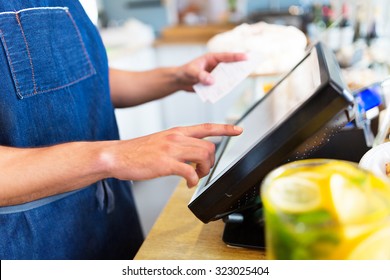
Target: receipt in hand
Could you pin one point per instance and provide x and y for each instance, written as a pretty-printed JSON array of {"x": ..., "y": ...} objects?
[{"x": 226, "y": 77}]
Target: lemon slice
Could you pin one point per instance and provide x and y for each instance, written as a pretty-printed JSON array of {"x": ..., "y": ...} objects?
[
  {"x": 348, "y": 169},
  {"x": 349, "y": 201},
  {"x": 295, "y": 194},
  {"x": 374, "y": 247},
  {"x": 356, "y": 204}
]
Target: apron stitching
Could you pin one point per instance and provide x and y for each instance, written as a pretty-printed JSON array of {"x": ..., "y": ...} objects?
[
  {"x": 62, "y": 86},
  {"x": 11, "y": 65},
  {"x": 36, "y": 90},
  {"x": 32, "y": 9},
  {"x": 81, "y": 41},
  {"x": 28, "y": 52}
]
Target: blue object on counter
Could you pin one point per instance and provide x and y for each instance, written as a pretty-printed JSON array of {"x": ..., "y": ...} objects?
[{"x": 370, "y": 97}]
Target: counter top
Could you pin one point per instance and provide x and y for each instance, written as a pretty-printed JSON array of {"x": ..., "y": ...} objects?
[{"x": 179, "y": 235}]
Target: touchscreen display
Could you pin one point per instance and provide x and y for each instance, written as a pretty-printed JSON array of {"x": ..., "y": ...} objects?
[
  {"x": 307, "y": 107},
  {"x": 286, "y": 97}
]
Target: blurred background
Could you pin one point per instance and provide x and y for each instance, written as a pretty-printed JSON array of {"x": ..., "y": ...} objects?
[{"x": 141, "y": 35}]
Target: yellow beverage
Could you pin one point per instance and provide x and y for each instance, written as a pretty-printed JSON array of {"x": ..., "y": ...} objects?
[{"x": 326, "y": 209}]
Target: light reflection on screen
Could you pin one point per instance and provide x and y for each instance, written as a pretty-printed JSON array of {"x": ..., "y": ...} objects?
[{"x": 287, "y": 96}]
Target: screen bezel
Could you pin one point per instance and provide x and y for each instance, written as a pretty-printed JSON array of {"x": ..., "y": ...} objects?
[{"x": 325, "y": 108}]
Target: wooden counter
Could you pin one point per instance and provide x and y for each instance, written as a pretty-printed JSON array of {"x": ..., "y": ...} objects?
[{"x": 178, "y": 234}]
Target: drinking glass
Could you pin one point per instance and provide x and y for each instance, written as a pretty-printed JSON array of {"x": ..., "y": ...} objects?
[{"x": 326, "y": 209}]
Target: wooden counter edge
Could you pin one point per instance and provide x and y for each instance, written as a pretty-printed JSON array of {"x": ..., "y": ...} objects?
[{"x": 179, "y": 235}]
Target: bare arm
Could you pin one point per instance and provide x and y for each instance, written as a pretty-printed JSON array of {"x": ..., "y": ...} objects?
[
  {"x": 29, "y": 174},
  {"x": 33, "y": 173},
  {"x": 134, "y": 88}
]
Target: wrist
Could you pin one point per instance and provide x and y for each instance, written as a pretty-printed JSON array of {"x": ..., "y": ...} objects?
[
  {"x": 178, "y": 78},
  {"x": 183, "y": 79},
  {"x": 105, "y": 159}
]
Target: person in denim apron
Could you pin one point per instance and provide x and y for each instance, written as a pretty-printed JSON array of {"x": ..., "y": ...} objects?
[{"x": 64, "y": 175}]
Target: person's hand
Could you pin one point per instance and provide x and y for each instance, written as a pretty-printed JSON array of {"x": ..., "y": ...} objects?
[
  {"x": 198, "y": 70},
  {"x": 177, "y": 151}
]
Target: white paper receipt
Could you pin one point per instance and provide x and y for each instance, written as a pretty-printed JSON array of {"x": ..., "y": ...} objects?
[{"x": 227, "y": 75}]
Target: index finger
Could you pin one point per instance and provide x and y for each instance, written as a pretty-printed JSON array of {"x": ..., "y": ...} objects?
[
  {"x": 228, "y": 56},
  {"x": 210, "y": 129}
]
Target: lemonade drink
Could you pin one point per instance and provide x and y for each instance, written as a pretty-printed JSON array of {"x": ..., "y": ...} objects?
[{"x": 326, "y": 209}]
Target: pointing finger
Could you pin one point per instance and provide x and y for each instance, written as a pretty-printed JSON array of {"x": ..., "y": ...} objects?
[{"x": 208, "y": 129}]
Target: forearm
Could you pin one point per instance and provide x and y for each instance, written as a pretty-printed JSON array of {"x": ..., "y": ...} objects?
[
  {"x": 27, "y": 174},
  {"x": 134, "y": 88},
  {"x": 30, "y": 174}
]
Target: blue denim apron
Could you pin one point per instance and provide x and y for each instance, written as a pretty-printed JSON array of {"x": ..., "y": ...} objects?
[{"x": 54, "y": 89}]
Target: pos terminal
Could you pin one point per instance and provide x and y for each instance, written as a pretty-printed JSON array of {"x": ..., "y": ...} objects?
[{"x": 304, "y": 111}]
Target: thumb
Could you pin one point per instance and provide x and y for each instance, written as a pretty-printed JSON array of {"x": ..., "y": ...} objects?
[{"x": 205, "y": 78}]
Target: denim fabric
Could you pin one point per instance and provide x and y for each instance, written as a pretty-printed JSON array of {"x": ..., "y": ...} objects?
[
  {"x": 54, "y": 89},
  {"x": 72, "y": 228},
  {"x": 26, "y": 55}
]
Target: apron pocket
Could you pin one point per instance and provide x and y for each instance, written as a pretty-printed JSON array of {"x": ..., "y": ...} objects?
[{"x": 45, "y": 50}]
